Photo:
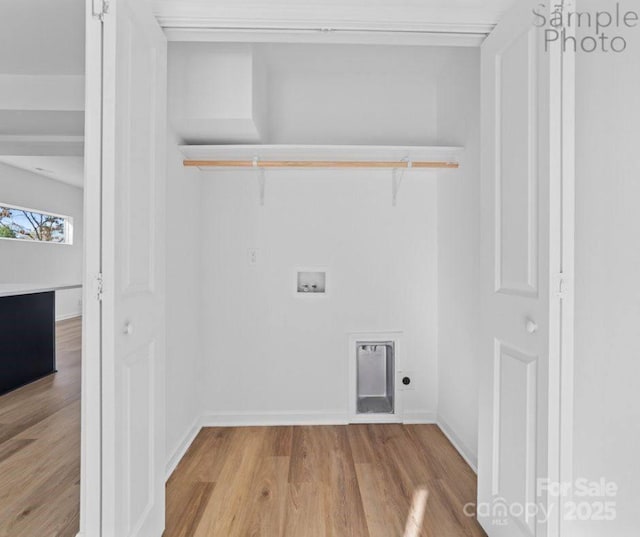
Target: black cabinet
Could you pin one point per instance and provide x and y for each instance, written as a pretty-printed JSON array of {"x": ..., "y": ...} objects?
[{"x": 27, "y": 339}]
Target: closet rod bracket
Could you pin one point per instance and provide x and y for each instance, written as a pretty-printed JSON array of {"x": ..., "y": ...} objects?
[
  {"x": 261, "y": 179},
  {"x": 397, "y": 175}
]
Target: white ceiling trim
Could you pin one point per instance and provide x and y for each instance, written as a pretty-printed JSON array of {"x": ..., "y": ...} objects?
[
  {"x": 335, "y": 37},
  {"x": 184, "y": 19}
]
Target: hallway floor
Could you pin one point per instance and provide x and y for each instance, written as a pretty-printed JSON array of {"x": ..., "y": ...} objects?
[{"x": 40, "y": 447}]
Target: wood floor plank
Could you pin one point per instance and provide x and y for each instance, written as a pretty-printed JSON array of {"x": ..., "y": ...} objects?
[
  {"x": 228, "y": 502},
  {"x": 359, "y": 441},
  {"x": 183, "y": 517},
  {"x": 393, "y": 479},
  {"x": 305, "y": 511},
  {"x": 196, "y": 465},
  {"x": 382, "y": 519},
  {"x": 282, "y": 441},
  {"x": 344, "y": 509},
  {"x": 444, "y": 514},
  {"x": 265, "y": 510},
  {"x": 307, "y": 454},
  {"x": 322, "y": 481},
  {"x": 449, "y": 464},
  {"x": 12, "y": 446}
]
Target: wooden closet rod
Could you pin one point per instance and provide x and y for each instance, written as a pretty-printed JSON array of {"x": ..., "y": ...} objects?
[{"x": 316, "y": 164}]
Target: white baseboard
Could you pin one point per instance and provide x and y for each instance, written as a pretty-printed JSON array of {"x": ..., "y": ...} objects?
[
  {"x": 67, "y": 316},
  {"x": 238, "y": 419},
  {"x": 424, "y": 417},
  {"x": 182, "y": 448},
  {"x": 466, "y": 453}
]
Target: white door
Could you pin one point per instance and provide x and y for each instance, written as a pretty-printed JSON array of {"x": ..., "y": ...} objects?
[
  {"x": 134, "y": 58},
  {"x": 521, "y": 184}
]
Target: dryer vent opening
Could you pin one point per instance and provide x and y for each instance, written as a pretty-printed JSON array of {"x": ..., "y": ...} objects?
[{"x": 375, "y": 377}]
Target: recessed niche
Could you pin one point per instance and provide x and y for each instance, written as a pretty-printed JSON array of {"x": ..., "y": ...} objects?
[
  {"x": 311, "y": 282},
  {"x": 375, "y": 390}
]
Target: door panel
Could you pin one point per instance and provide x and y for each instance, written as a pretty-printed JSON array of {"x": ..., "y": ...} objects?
[
  {"x": 521, "y": 171},
  {"x": 516, "y": 173},
  {"x": 134, "y": 134},
  {"x": 139, "y": 66},
  {"x": 515, "y": 428}
]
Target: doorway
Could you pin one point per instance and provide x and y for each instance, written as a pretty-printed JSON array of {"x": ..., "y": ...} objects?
[{"x": 42, "y": 237}]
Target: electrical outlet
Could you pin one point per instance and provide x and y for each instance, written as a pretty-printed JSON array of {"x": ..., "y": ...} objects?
[
  {"x": 407, "y": 382},
  {"x": 253, "y": 257}
]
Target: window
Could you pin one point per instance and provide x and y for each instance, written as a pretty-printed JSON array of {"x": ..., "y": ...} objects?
[{"x": 18, "y": 223}]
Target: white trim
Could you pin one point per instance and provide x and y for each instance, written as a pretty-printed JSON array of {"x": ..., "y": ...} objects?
[
  {"x": 424, "y": 417},
  {"x": 275, "y": 419},
  {"x": 567, "y": 351},
  {"x": 314, "y": 36},
  {"x": 35, "y": 241},
  {"x": 375, "y": 418},
  {"x": 91, "y": 399},
  {"x": 266, "y": 419},
  {"x": 466, "y": 453},
  {"x": 183, "y": 447},
  {"x": 265, "y": 14}
]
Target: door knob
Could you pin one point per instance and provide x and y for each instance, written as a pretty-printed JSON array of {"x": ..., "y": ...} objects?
[
  {"x": 532, "y": 327},
  {"x": 128, "y": 328}
]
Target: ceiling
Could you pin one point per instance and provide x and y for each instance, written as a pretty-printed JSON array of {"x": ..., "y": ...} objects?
[
  {"x": 42, "y": 38},
  {"x": 69, "y": 170}
]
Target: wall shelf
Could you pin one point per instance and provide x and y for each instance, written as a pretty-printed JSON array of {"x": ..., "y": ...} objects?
[
  {"x": 320, "y": 156},
  {"x": 397, "y": 159}
]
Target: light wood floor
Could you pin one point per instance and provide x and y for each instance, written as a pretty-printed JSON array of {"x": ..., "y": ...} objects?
[
  {"x": 356, "y": 481},
  {"x": 40, "y": 448}
]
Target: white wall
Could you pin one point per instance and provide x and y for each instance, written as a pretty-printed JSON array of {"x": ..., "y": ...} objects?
[
  {"x": 42, "y": 263},
  {"x": 270, "y": 355},
  {"x": 459, "y": 251},
  {"x": 182, "y": 300},
  {"x": 607, "y": 287},
  {"x": 363, "y": 95}
]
